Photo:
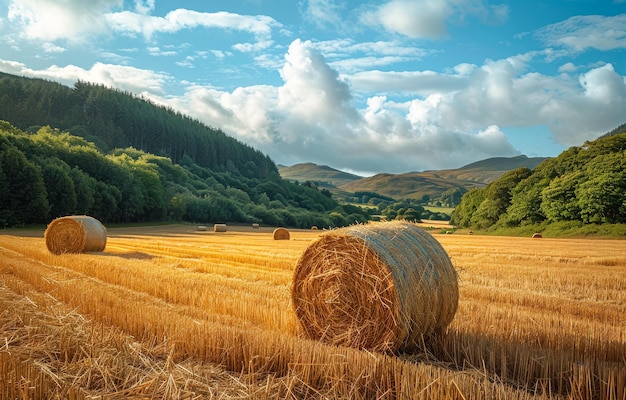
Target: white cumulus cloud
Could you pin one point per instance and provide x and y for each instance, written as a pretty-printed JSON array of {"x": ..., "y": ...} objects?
[
  {"x": 413, "y": 18},
  {"x": 312, "y": 116},
  {"x": 583, "y": 32},
  {"x": 259, "y": 26},
  {"x": 52, "y": 20}
]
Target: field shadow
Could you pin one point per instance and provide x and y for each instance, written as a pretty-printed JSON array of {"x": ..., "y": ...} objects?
[
  {"x": 132, "y": 255},
  {"x": 35, "y": 233}
]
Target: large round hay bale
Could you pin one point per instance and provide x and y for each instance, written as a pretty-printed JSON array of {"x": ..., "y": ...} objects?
[
  {"x": 220, "y": 228},
  {"x": 281, "y": 234},
  {"x": 382, "y": 287},
  {"x": 537, "y": 236},
  {"x": 75, "y": 234}
]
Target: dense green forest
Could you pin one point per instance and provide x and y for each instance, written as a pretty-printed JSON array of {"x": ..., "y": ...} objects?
[
  {"x": 112, "y": 119},
  {"x": 584, "y": 185},
  {"x": 50, "y": 173},
  {"x": 97, "y": 151}
]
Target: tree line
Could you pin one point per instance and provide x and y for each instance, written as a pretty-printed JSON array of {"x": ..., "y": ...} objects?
[
  {"x": 584, "y": 184},
  {"x": 51, "y": 173}
]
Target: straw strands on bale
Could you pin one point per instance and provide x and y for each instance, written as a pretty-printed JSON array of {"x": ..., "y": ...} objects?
[
  {"x": 219, "y": 228},
  {"x": 382, "y": 287},
  {"x": 75, "y": 234},
  {"x": 281, "y": 234}
]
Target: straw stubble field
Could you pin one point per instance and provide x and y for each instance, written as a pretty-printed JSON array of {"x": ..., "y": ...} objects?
[{"x": 172, "y": 312}]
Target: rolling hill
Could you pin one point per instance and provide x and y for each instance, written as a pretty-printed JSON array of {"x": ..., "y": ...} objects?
[
  {"x": 410, "y": 185},
  {"x": 490, "y": 169},
  {"x": 322, "y": 174}
]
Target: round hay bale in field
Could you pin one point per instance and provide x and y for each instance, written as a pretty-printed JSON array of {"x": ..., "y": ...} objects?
[
  {"x": 255, "y": 226},
  {"x": 201, "y": 228},
  {"x": 314, "y": 228},
  {"x": 382, "y": 287},
  {"x": 281, "y": 234},
  {"x": 537, "y": 236},
  {"x": 75, "y": 234},
  {"x": 220, "y": 228}
]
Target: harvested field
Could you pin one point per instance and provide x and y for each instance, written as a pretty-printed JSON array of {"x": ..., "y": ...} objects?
[{"x": 172, "y": 312}]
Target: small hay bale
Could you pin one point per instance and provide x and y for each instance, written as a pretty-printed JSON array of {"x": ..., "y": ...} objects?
[
  {"x": 202, "y": 228},
  {"x": 220, "y": 228},
  {"x": 537, "y": 236},
  {"x": 281, "y": 234},
  {"x": 381, "y": 287},
  {"x": 470, "y": 232},
  {"x": 75, "y": 234},
  {"x": 255, "y": 226},
  {"x": 314, "y": 228}
]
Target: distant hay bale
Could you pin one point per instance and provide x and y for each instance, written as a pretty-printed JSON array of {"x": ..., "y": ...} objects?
[
  {"x": 220, "y": 228},
  {"x": 255, "y": 226},
  {"x": 202, "y": 228},
  {"x": 537, "y": 236},
  {"x": 75, "y": 234},
  {"x": 470, "y": 232},
  {"x": 381, "y": 287},
  {"x": 314, "y": 228},
  {"x": 281, "y": 234}
]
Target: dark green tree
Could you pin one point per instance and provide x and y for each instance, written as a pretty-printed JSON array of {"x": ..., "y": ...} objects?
[
  {"x": 412, "y": 215},
  {"x": 601, "y": 199},
  {"x": 59, "y": 187},
  {"x": 23, "y": 198},
  {"x": 84, "y": 186},
  {"x": 526, "y": 200},
  {"x": 451, "y": 197},
  {"x": 106, "y": 202},
  {"x": 559, "y": 201},
  {"x": 462, "y": 215}
]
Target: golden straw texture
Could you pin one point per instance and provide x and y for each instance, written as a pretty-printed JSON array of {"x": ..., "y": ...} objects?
[
  {"x": 75, "y": 234},
  {"x": 380, "y": 286},
  {"x": 281, "y": 234}
]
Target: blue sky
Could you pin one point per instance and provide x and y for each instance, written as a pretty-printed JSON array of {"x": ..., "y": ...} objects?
[{"x": 367, "y": 87}]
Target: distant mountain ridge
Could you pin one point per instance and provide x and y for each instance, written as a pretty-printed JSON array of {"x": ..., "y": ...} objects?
[
  {"x": 412, "y": 185},
  {"x": 317, "y": 173},
  {"x": 490, "y": 169}
]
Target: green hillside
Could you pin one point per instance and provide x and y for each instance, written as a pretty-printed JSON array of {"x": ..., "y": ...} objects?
[
  {"x": 97, "y": 151},
  {"x": 113, "y": 119},
  {"x": 490, "y": 169},
  {"x": 416, "y": 185},
  {"x": 585, "y": 185},
  {"x": 411, "y": 185},
  {"x": 322, "y": 174}
]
